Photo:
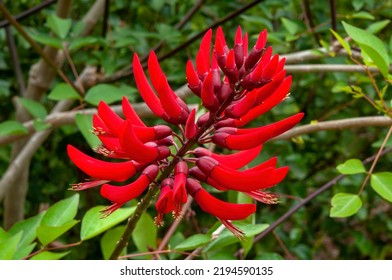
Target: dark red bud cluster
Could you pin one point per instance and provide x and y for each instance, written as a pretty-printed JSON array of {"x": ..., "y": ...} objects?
[{"x": 235, "y": 87}]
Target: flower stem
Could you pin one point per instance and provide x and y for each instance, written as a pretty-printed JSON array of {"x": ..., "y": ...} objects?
[{"x": 145, "y": 202}]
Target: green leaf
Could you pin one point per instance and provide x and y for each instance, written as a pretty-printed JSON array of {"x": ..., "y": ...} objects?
[
  {"x": 28, "y": 227},
  {"x": 85, "y": 125},
  {"x": 94, "y": 224},
  {"x": 351, "y": 166},
  {"x": 376, "y": 27},
  {"x": 59, "y": 25},
  {"x": 345, "y": 205},
  {"x": 8, "y": 247},
  {"x": 82, "y": 42},
  {"x": 382, "y": 184},
  {"x": 49, "y": 256},
  {"x": 145, "y": 234},
  {"x": 36, "y": 109},
  {"x": 109, "y": 241},
  {"x": 193, "y": 242},
  {"x": 103, "y": 92},
  {"x": 291, "y": 26},
  {"x": 61, "y": 212},
  {"x": 370, "y": 44},
  {"x": 12, "y": 128},
  {"x": 63, "y": 91},
  {"x": 227, "y": 238},
  {"x": 269, "y": 256},
  {"x": 40, "y": 125},
  {"x": 4, "y": 235},
  {"x": 23, "y": 252},
  {"x": 47, "y": 234},
  {"x": 343, "y": 42},
  {"x": 47, "y": 40}
]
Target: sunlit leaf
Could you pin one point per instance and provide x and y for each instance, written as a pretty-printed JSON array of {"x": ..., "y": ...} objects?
[
  {"x": 47, "y": 40},
  {"x": 145, "y": 234},
  {"x": 372, "y": 45},
  {"x": 49, "y": 255},
  {"x": 109, "y": 240},
  {"x": 28, "y": 227},
  {"x": 343, "y": 42},
  {"x": 81, "y": 42},
  {"x": 61, "y": 212},
  {"x": 382, "y": 184},
  {"x": 345, "y": 205},
  {"x": 351, "y": 166},
  {"x": 8, "y": 246},
  {"x": 377, "y": 26},
  {"x": 103, "y": 92},
  {"x": 36, "y": 109}
]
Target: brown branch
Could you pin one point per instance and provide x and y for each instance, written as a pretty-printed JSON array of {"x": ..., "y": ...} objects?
[
  {"x": 128, "y": 71},
  {"x": 336, "y": 125},
  {"x": 309, "y": 20},
  {"x": 309, "y": 198},
  {"x": 29, "y": 12},
  {"x": 322, "y": 68}
]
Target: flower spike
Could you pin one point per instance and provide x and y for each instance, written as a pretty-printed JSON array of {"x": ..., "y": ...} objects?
[{"x": 236, "y": 86}]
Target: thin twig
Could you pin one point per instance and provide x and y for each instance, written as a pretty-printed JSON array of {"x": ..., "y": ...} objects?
[
  {"x": 15, "y": 59},
  {"x": 36, "y": 47},
  {"x": 283, "y": 246},
  {"x": 128, "y": 71},
  {"x": 28, "y": 12},
  {"x": 174, "y": 225},
  {"x": 375, "y": 160},
  {"x": 309, "y": 198}
]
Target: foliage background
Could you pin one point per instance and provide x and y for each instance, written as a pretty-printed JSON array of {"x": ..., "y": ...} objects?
[{"x": 299, "y": 30}]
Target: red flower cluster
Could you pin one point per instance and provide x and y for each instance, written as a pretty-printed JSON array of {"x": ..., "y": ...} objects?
[{"x": 235, "y": 87}]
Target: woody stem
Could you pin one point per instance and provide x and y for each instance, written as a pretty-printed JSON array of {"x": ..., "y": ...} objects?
[{"x": 145, "y": 202}]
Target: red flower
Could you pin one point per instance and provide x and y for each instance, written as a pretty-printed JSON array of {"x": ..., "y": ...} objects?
[{"x": 253, "y": 82}]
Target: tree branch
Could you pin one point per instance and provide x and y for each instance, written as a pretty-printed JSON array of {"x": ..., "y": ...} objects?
[{"x": 336, "y": 125}]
